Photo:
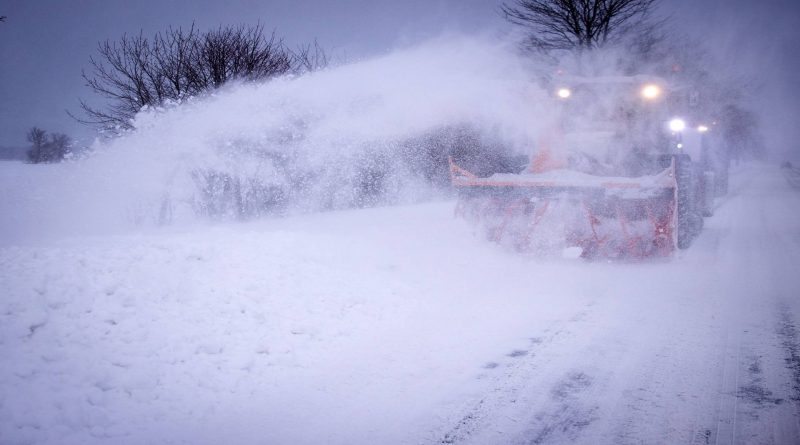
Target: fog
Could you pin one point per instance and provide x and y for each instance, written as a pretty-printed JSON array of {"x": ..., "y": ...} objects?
[
  {"x": 756, "y": 43},
  {"x": 301, "y": 259}
]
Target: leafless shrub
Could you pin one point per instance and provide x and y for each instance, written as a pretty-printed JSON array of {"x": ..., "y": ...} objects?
[
  {"x": 577, "y": 24},
  {"x": 310, "y": 57},
  {"x": 134, "y": 71},
  {"x": 47, "y": 148}
]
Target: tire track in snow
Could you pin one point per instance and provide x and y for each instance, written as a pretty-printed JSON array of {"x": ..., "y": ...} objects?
[
  {"x": 568, "y": 414},
  {"x": 752, "y": 402},
  {"x": 727, "y": 409},
  {"x": 668, "y": 389},
  {"x": 755, "y": 406},
  {"x": 511, "y": 383},
  {"x": 788, "y": 335}
]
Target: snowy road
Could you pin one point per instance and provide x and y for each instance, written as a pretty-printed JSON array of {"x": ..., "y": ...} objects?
[
  {"x": 701, "y": 350},
  {"x": 396, "y": 325}
]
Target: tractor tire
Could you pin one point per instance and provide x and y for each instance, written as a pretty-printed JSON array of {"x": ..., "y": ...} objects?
[
  {"x": 707, "y": 189},
  {"x": 690, "y": 222},
  {"x": 721, "y": 182}
]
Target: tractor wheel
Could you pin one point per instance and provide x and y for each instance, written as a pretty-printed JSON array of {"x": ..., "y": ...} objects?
[
  {"x": 707, "y": 190},
  {"x": 690, "y": 222}
]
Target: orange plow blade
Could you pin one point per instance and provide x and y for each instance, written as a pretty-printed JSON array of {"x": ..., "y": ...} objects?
[{"x": 572, "y": 212}]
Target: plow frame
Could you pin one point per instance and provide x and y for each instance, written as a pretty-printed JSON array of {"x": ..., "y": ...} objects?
[{"x": 499, "y": 203}]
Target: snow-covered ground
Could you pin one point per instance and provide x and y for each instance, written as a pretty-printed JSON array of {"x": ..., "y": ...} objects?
[{"x": 397, "y": 325}]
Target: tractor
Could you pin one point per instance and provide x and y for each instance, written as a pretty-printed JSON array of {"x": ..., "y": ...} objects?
[{"x": 624, "y": 172}]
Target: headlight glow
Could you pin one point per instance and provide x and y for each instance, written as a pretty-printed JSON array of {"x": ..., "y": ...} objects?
[
  {"x": 702, "y": 128},
  {"x": 677, "y": 125},
  {"x": 651, "y": 91},
  {"x": 564, "y": 93}
]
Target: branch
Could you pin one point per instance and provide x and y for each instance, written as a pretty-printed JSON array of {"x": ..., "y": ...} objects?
[{"x": 569, "y": 24}]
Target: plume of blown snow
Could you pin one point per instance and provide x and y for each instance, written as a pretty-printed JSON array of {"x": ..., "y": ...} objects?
[{"x": 329, "y": 139}]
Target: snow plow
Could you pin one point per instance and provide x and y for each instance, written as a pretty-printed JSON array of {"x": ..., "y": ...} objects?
[
  {"x": 576, "y": 213},
  {"x": 640, "y": 195}
]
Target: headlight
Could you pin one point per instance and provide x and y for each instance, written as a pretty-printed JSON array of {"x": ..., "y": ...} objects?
[
  {"x": 651, "y": 91},
  {"x": 564, "y": 93},
  {"x": 677, "y": 125},
  {"x": 702, "y": 128}
]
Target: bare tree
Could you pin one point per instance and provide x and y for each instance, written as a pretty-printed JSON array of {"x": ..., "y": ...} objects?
[
  {"x": 47, "y": 149},
  {"x": 577, "y": 24},
  {"x": 174, "y": 53},
  {"x": 309, "y": 58},
  {"x": 135, "y": 72},
  {"x": 243, "y": 53},
  {"x": 37, "y": 137},
  {"x": 120, "y": 75}
]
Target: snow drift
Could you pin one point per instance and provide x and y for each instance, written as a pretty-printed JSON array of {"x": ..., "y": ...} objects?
[{"x": 394, "y": 325}]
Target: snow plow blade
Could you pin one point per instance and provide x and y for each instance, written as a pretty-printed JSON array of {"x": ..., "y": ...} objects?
[{"x": 576, "y": 213}]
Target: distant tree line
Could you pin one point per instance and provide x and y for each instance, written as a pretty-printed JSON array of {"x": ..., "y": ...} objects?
[
  {"x": 135, "y": 71},
  {"x": 47, "y": 147}
]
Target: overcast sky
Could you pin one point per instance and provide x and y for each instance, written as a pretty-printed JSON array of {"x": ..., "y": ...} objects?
[{"x": 44, "y": 44}]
